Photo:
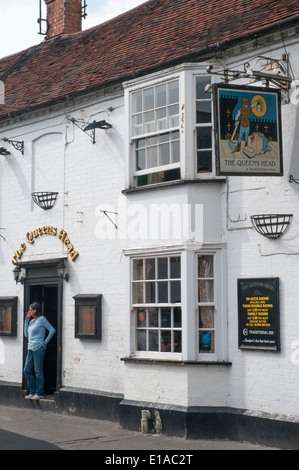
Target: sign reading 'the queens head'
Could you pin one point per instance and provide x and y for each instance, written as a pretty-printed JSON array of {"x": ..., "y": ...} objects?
[{"x": 248, "y": 131}]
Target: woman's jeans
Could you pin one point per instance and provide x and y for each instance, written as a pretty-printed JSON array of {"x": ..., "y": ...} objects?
[{"x": 34, "y": 371}]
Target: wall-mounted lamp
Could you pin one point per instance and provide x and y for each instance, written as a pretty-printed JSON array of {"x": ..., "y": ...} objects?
[
  {"x": 90, "y": 128},
  {"x": 60, "y": 271},
  {"x": 19, "y": 274},
  {"x": 4, "y": 151}
]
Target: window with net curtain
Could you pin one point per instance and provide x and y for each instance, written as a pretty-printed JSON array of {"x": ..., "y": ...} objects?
[{"x": 206, "y": 304}]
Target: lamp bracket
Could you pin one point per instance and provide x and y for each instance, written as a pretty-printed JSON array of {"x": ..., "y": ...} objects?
[
  {"x": 4, "y": 151},
  {"x": 18, "y": 145},
  {"x": 110, "y": 212},
  {"x": 266, "y": 69}
]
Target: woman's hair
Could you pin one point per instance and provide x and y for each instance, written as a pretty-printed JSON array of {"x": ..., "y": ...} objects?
[{"x": 36, "y": 306}]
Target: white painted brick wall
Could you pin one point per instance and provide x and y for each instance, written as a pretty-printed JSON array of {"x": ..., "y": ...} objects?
[{"x": 90, "y": 176}]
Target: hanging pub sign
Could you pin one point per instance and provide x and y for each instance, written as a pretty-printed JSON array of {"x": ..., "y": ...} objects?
[
  {"x": 248, "y": 131},
  {"x": 258, "y": 310}
]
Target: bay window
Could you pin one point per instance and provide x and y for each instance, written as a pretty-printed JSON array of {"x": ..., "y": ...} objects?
[
  {"x": 178, "y": 306},
  {"x": 171, "y": 128}
]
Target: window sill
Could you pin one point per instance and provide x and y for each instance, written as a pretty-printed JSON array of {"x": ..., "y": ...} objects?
[
  {"x": 150, "y": 187},
  {"x": 174, "y": 362}
]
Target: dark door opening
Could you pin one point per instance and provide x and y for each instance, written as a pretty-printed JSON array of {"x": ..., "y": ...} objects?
[{"x": 47, "y": 296}]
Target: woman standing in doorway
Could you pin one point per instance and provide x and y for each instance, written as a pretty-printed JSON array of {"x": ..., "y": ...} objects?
[{"x": 35, "y": 330}]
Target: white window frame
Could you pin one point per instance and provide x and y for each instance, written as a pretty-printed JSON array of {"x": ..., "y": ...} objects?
[
  {"x": 186, "y": 74},
  {"x": 189, "y": 303},
  {"x": 148, "y": 83},
  {"x": 154, "y": 305}
]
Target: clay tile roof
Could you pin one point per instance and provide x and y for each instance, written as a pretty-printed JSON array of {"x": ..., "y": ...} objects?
[{"x": 156, "y": 34}]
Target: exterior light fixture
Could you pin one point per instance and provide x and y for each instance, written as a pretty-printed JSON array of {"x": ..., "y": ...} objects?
[
  {"x": 89, "y": 128},
  {"x": 19, "y": 274},
  {"x": 98, "y": 125},
  {"x": 60, "y": 271},
  {"x": 3, "y": 151},
  {"x": 271, "y": 225}
]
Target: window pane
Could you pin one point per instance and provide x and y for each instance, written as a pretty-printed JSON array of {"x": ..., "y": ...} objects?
[
  {"x": 203, "y": 112},
  {"x": 165, "y": 317},
  {"x": 164, "y": 156},
  {"x": 204, "y": 138},
  {"x": 173, "y": 92},
  {"x": 150, "y": 292},
  {"x": 175, "y": 148},
  {"x": 153, "y": 320},
  {"x": 204, "y": 161},
  {"x": 175, "y": 267},
  {"x": 141, "y": 340},
  {"x": 175, "y": 291},
  {"x": 150, "y": 268},
  {"x": 177, "y": 317},
  {"x": 137, "y": 293},
  {"x": 166, "y": 340},
  {"x": 141, "y": 162},
  {"x": 162, "y": 268},
  {"x": 153, "y": 340},
  {"x": 163, "y": 292},
  {"x": 149, "y": 100},
  {"x": 177, "y": 341},
  {"x": 141, "y": 317},
  {"x": 137, "y": 269},
  {"x": 161, "y": 119},
  {"x": 161, "y": 95},
  {"x": 205, "y": 266},
  {"x": 206, "y": 317},
  {"x": 206, "y": 342},
  {"x": 137, "y": 124},
  {"x": 201, "y": 83},
  {"x": 151, "y": 157},
  {"x": 137, "y": 102},
  {"x": 86, "y": 319},
  {"x": 205, "y": 291}
]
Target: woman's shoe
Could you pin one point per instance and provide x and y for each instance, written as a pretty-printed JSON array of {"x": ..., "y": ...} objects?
[{"x": 36, "y": 397}]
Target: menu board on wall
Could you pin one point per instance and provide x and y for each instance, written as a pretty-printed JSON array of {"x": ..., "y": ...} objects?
[{"x": 258, "y": 310}]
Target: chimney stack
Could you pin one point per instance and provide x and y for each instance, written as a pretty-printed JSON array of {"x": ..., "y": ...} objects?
[{"x": 64, "y": 17}]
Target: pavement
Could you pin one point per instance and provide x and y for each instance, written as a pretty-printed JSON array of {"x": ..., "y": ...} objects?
[{"x": 36, "y": 429}]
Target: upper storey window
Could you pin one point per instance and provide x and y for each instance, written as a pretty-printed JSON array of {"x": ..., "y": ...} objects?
[
  {"x": 171, "y": 128},
  {"x": 155, "y": 133}
]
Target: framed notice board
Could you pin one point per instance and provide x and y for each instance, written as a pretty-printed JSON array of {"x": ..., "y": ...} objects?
[{"x": 258, "y": 312}]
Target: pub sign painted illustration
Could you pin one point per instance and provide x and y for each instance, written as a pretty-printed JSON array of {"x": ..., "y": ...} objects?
[
  {"x": 248, "y": 131},
  {"x": 258, "y": 310}
]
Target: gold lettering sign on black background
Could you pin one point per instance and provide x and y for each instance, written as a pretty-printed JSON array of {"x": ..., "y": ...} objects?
[{"x": 258, "y": 310}]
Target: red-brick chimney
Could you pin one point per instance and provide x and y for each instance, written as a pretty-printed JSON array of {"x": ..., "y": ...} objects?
[{"x": 64, "y": 17}]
